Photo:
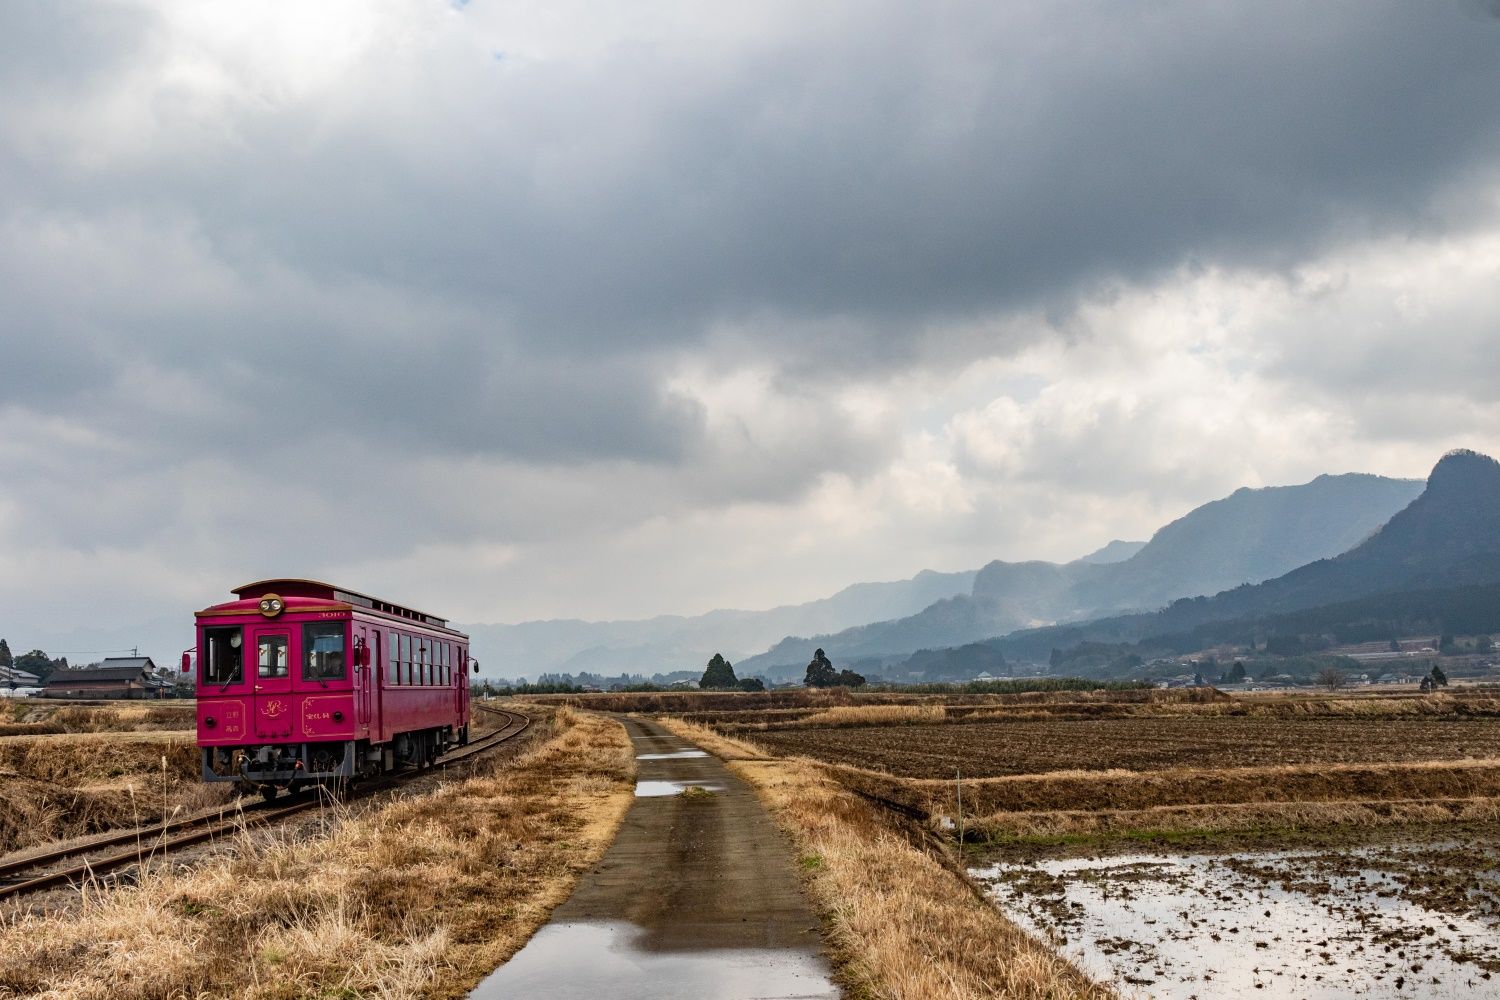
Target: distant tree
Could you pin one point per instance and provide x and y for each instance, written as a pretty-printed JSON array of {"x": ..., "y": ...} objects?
[
  {"x": 6, "y": 660},
  {"x": 848, "y": 678},
  {"x": 1447, "y": 645},
  {"x": 752, "y": 684},
  {"x": 1395, "y": 646},
  {"x": 1331, "y": 677},
  {"x": 1056, "y": 659},
  {"x": 1426, "y": 686},
  {"x": 719, "y": 674},
  {"x": 1439, "y": 679},
  {"x": 36, "y": 662},
  {"x": 1235, "y": 674},
  {"x": 1198, "y": 680},
  {"x": 1483, "y": 644},
  {"x": 820, "y": 672}
]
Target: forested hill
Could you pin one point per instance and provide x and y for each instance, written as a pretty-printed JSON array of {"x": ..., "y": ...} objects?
[{"x": 1248, "y": 536}]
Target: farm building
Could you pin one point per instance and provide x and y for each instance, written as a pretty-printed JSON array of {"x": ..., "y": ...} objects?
[
  {"x": 12, "y": 679},
  {"x": 117, "y": 677}
]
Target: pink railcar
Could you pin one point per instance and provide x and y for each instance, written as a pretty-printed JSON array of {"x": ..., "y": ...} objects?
[{"x": 301, "y": 683}]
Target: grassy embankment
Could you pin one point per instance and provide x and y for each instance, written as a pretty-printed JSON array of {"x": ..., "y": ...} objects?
[
  {"x": 903, "y": 923},
  {"x": 1079, "y": 806},
  {"x": 71, "y": 785},
  {"x": 419, "y": 898}
]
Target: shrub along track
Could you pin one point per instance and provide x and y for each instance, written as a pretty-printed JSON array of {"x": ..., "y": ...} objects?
[{"x": 160, "y": 840}]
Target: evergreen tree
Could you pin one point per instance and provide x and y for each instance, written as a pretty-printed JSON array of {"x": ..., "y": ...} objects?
[
  {"x": 1235, "y": 674},
  {"x": 1439, "y": 679},
  {"x": 752, "y": 684},
  {"x": 820, "y": 672},
  {"x": 6, "y": 660},
  {"x": 719, "y": 674}
]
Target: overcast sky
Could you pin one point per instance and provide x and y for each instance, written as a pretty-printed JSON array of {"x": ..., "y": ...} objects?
[{"x": 517, "y": 310}]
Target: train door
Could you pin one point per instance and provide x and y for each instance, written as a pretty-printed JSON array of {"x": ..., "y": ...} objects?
[
  {"x": 273, "y": 707},
  {"x": 367, "y": 678},
  {"x": 463, "y": 684}
]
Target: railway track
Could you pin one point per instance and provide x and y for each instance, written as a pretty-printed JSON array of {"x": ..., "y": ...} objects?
[{"x": 149, "y": 843}]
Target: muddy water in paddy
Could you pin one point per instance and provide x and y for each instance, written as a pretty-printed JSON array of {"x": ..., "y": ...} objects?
[{"x": 1372, "y": 922}]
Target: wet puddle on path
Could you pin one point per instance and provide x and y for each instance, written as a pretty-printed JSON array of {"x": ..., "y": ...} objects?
[
  {"x": 1376, "y": 923},
  {"x": 605, "y": 959},
  {"x": 674, "y": 755},
  {"x": 647, "y": 789}
]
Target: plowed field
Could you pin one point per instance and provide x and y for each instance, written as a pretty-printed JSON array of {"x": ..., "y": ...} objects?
[{"x": 1137, "y": 744}]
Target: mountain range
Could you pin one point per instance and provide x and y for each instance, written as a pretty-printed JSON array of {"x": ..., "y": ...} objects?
[
  {"x": 1435, "y": 558},
  {"x": 1247, "y": 537}
]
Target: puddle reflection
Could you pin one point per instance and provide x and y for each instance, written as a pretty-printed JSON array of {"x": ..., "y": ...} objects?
[
  {"x": 604, "y": 960},
  {"x": 649, "y": 789}
]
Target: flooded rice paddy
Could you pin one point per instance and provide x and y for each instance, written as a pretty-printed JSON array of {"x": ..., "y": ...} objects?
[{"x": 1419, "y": 922}]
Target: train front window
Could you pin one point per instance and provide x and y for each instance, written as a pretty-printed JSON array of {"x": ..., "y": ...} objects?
[
  {"x": 323, "y": 652},
  {"x": 272, "y": 655},
  {"x": 223, "y": 656}
]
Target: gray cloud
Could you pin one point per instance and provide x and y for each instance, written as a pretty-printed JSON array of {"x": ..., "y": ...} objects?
[{"x": 370, "y": 276}]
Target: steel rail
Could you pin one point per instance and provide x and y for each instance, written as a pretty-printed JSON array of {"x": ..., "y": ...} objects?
[{"x": 151, "y": 842}]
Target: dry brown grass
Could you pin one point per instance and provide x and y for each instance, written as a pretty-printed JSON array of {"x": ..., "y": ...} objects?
[
  {"x": 1079, "y": 791},
  {"x": 417, "y": 899},
  {"x": 22, "y": 718},
  {"x": 1236, "y": 817},
  {"x": 903, "y": 925},
  {"x": 58, "y": 787},
  {"x": 874, "y": 715}
]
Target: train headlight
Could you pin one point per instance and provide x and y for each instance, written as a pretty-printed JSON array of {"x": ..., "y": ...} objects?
[{"x": 272, "y": 605}]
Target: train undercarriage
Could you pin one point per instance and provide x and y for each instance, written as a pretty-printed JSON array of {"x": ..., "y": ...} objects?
[{"x": 273, "y": 768}]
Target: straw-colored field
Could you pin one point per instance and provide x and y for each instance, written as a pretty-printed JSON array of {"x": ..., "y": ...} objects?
[{"x": 29, "y": 717}]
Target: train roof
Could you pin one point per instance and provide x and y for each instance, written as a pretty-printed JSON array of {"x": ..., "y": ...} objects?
[{"x": 318, "y": 590}]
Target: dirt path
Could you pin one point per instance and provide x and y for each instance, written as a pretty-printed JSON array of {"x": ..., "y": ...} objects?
[{"x": 697, "y": 897}]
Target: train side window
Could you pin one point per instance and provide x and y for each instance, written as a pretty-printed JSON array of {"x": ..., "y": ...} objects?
[
  {"x": 448, "y": 663},
  {"x": 443, "y": 648},
  {"x": 322, "y": 651},
  {"x": 223, "y": 655},
  {"x": 424, "y": 662},
  {"x": 405, "y": 658},
  {"x": 271, "y": 655},
  {"x": 392, "y": 661}
]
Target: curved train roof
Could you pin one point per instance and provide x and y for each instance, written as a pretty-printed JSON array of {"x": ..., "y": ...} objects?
[{"x": 292, "y": 587}]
